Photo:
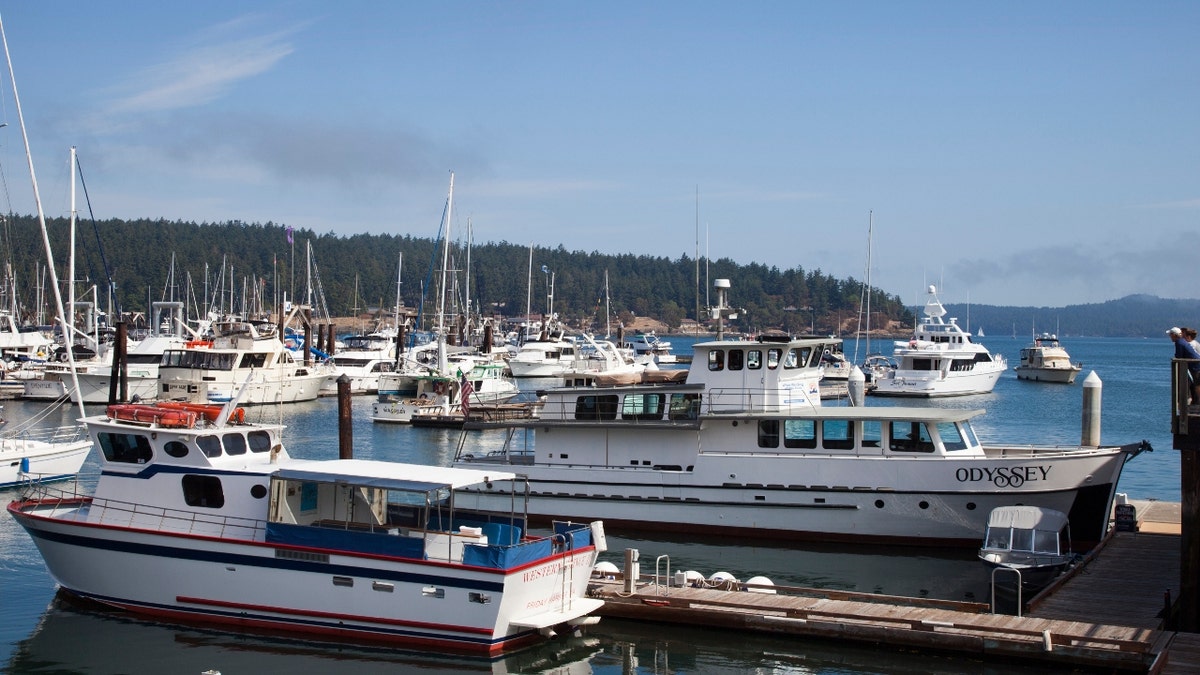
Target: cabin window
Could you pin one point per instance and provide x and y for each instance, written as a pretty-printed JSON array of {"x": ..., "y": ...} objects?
[
  {"x": 209, "y": 445},
  {"x": 716, "y": 359},
  {"x": 125, "y": 448},
  {"x": 260, "y": 441},
  {"x": 594, "y": 407},
  {"x": 235, "y": 444},
  {"x": 754, "y": 359},
  {"x": 951, "y": 438},
  {"x": 969, "y": 434},
  {"x": 737, "y": 359},
  {"x": 773, "y": 355},
  {"x": 204, "y": 491},
  {"x": 800, "y": 434},
  {"x": 909, "y": 437},
  {"x": 837, "y": 435},
  {"x": 1047, "y": 540},
  {"x": 253, "y": 360},
  {"x": 176, "y": 449},
  {"x": 642, "y": 407},
  {"x": 768, "y": 433},
  {"x": 1022, "y": 540},
  {"x": 924, "y": 364},
  {"x": 872, "y": 433},
  {"x": 685, "y": 406},
  {"x": 962, "y": 365}
]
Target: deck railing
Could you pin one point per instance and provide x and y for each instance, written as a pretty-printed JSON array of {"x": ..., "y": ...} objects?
[
  {"x": 1184, "y": 411},
  {"x": 68, "y": 503}
]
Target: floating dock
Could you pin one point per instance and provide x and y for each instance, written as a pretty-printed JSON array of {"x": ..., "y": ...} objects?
[{"x": 1112, "y": 612}]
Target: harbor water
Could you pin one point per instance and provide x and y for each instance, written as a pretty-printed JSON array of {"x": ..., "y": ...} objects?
[{"x": 42, "y": 633}]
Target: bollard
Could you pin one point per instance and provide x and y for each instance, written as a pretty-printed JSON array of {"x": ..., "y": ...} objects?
[
  {"x": 345, "y": 427},
  {"x": 632, "y": 570},
  {"x": 1092, "y": 387},
  {"x": 856, "y": 386}
]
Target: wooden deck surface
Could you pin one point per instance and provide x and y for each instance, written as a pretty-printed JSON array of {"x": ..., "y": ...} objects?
[{"x": 1109, "y": 613}]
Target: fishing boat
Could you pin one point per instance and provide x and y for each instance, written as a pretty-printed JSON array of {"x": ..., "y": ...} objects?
[
  {"x": 1045, "y": 360},
  {"x": 200, "y": 517},
  {"x": 940, "y": 360},
  {"x": 744, "y": 447},
  {"x": 439, "y": 396},
  {"x": 1033, "y": 543}
]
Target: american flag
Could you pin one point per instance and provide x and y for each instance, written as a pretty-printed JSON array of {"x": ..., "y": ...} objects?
[{"x": 466, "y": 389}]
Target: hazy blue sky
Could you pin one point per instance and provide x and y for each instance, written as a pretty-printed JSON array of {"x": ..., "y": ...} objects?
[{"x": 1025, "y": 153}]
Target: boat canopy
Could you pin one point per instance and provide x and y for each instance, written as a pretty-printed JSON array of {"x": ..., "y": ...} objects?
[
  {"x": 1027, "y": 518},
  {"x": 390, "y": 475}
]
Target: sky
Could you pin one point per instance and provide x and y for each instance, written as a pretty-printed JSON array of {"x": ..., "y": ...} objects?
[{"x": 1014, "y": 153}]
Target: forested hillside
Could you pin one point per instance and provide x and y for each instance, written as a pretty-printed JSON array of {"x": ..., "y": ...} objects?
[{"x": 148, "y": 260}]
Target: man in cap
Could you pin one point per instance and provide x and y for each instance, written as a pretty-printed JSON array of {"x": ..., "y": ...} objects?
[{"x": 1185, "y": 350}]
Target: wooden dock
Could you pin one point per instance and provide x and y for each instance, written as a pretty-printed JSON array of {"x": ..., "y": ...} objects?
[{"x": 1111, "y": 613}]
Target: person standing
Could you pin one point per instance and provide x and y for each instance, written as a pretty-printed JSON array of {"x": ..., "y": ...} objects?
[{"x": 1185, "y": 350}]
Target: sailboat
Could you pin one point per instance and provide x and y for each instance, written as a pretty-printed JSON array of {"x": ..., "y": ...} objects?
[
  {"x": 447, "y": 388},
  {"x": 30, "y": 454},
  {"x": 979, "y": 333}
]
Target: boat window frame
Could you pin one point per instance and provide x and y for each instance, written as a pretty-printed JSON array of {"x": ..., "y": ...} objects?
[
  {"x": 597, "y": 407},
  {"x": 177, "y": 449},
  {"x": 125, "y": 448},
  {"x": 800, "y": 434},
  {"x": 923, "y": 443},
  {"x": 200, "y": 489},
  {"x": 736, "y": 359},
  {"x": 210, "y": 445},
  {"x": 716, "y": 360},
  {"x": 768, "y": 433},
  {"x": 684, "y": 406},
  {"x": 951, "y": 437},
  {"x": 643, "y": 406},
  {"x": 842, "y": 441},
  {"x": 255, "y": 440},
  {"x": 754, "y": 360},
  {"x": 234, "y": 444},
  {"x": 774, "y": 355}
]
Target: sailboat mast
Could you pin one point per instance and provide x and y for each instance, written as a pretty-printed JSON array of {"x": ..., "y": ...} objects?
[
  {"x": 445, "y": 255},
  {"x": 870, "y": 239},
  {"x": 69, "y": 323}
]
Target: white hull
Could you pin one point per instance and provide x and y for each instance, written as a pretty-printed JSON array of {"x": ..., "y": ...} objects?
[
  {"x": 794, "y": 498},
  {"x": 1055, "y": 375},
  {"x": 936, "y": 383},
  {"x": 254, "y": 584},
  {"x": 263, "y": 388},
  {"x": 141, "y": 382},
  {"x": 25, "y": 459}
]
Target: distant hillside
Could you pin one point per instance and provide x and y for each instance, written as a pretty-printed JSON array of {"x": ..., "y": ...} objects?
[{"x": 1131, "y": 316}]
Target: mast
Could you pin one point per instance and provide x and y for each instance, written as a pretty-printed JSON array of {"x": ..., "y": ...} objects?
[
  {"x": 528, "y": 293},
  {"x": 41, "y": 215},
  {"x": 870, "y": 238},
  {"x": 69, "y": 321}
]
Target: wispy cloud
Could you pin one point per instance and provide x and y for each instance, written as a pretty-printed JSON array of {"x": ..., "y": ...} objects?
[{"x": 215, "y": 61}]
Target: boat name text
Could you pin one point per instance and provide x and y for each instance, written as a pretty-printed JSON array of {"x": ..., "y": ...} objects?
[{"x": 1004, "y": 476}]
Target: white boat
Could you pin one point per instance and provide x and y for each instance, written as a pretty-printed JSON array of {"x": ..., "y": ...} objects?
[
  {"x": 1045, "y": 360},
  {"x": 29, "y": 454},
  {"x": 601, "y": 362},
  {"x": 940, "y": 360},
  {"x": 198, "y": 517},
  {"x": 543, "y": 358},
  {"x": 363, "y": 360},
  {"x": 140, "y": 370},
  {"x": 245, "y": 357},
  {"x": 1032, "y": 542},
  {"x": 650, "y": 347},
  {"x": 744, "y": 448},
  {"x": 442, "y": 396}
]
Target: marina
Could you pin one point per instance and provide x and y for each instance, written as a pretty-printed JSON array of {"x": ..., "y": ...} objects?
[{"x": 921, "y": 573}]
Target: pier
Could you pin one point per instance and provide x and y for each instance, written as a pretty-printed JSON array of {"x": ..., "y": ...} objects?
[{"x": 1113, "y": 611}]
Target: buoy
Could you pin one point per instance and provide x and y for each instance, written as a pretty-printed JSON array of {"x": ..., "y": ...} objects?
[
  {"x": 604, "y": 570},
  {"x": 692, "y": 578},
  {"x": 723, "y": 580},
  {"x": 760, "y": 581}
]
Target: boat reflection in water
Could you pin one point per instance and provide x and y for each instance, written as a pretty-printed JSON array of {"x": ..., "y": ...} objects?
[{"x": 77, "y": 638}]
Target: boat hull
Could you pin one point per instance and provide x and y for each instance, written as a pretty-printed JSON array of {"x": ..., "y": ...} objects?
[
  {"x": 929, "y": 384},
  {"x": 252, "y": 585},
  {"x": 23, "y": 460},
  {"x": 1055, "y": 375},
  {"x": 826, "y": 499}
]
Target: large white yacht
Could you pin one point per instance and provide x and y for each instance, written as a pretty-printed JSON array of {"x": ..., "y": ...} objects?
[
  {"x": 745, "y": 448},
  {"x": 244, "y": 358},
  {"x": 939, "y": 360}
]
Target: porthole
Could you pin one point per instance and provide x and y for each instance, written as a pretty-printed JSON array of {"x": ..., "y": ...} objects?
[
  {"x": 175, "y": 449},
  {"x": 924, "y": 505},
  {"x": 879, "y": 503},
  {"x": 970, "y": 506},
  {"x": 258, "y": 491}
]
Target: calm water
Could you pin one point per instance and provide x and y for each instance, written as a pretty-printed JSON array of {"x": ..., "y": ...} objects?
[{"x": 39, "y": 634}]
